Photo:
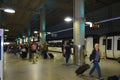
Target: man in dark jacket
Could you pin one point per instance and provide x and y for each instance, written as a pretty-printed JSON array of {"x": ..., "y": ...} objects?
[
  {"x": 95, "y": 59},
  {"x": 67, "y": 51}
]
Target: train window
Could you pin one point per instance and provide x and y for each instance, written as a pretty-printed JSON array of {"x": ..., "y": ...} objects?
[
  {"x": 109, "y": 44},
  {"x": 104, "y": 41},
  {"x": 118, "y": 45}
]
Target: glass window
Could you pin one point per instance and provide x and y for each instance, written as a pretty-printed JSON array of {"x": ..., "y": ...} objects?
[
  {"x": 109, "y": 44},
  {"x": 118, "y": 45},
  {"x": 104, "y": 41}
]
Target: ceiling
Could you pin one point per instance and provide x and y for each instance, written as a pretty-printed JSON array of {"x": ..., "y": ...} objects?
[{"x": 28, "y": 13}]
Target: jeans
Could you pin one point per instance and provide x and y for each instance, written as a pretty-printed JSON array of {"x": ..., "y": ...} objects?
[
  {"x": 97, "y": 67},
  {"x": 30, "y": 55},
  {"x": 67, "y": 56},
  {"x": 44, "y": 53}
]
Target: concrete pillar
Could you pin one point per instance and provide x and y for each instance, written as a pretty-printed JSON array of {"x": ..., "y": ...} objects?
[
  {"x": 2, "y": 19},
  {"x": 29, "y": 32},
  {"x": 42, "y": 26},
  {"x": 78, "y": 30},
  {"x": 18, "y": 40},
  {"x": 23, "y": 37}
]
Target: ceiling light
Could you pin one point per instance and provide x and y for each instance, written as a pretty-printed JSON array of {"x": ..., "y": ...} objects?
[
  {"x": 48, "y": 32},
  {"x": 89, "y": 23},
  {"x": 9, "y": 10},
  {"x": 68, "y": 19},
  {"x": 6, "y": 30},
  {"x": 35, "y": 32}
]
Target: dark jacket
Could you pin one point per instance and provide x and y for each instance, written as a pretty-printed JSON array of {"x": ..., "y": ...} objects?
[{"x": 93, "y": 55}]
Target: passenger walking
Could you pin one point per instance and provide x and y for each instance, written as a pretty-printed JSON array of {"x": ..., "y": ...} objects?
[
  {"x": 95, "y": 59},
  {"x": 67, "y": 51},
  {"x": 15, "y": 48},
  {"x": 30, "y": 52},
  {"x": 24, "y": 51},
  {"x": 44, "y": 49},
  {"x": 33, "y": 50}
]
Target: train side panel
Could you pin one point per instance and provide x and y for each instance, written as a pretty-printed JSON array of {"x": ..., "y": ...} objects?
[
  {"x": 102, "y": 46},
  {"x": 109, "y": 47},
  {"x": 57, "y": 49},
  {"x": 89, "y": 45},
  {"x": 116, "y": 46}
]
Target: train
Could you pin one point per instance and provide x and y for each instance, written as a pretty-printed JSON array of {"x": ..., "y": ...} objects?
[{"x": 109, "y": 45}]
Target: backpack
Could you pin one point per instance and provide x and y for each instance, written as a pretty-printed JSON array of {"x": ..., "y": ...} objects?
[
  {"x": 90, "y": 58},
  {"x": 33, "y": 47}
]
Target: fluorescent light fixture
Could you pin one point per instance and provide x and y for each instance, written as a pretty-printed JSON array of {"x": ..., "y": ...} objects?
[
  {"x": 107, "y": 20},
  {"x": 68, "y": 19},
  {"x": 62, "y": 30},
  {"x": 6, "y": 30},
  {"x": 48, "y": 32},
  {"x": 35, "y": 32},
  {"x": 8, "y": 10},
  {"x": 89, "y": 23},
  {"x": 6, "y": 43}
]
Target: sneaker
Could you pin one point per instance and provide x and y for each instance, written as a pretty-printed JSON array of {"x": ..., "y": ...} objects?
[
  {"x": 91, "y": 75},
  {"x": 33, "y": 62},
  {"x": 67, "y": 64}
]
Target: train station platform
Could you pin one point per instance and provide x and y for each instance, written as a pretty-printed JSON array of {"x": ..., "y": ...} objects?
[{"x": 52, "y": 69}]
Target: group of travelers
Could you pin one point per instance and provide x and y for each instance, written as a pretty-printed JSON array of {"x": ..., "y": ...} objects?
[
  {"x": 23, "y": 50},
  {"x": 32, "y": 49}
]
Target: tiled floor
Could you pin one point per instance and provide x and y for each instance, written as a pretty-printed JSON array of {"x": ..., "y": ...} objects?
[{"x": 17, "y": 69}]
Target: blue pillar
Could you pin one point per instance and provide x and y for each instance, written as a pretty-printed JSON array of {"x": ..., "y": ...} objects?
[
  {"x": 18, "y": 40},
  {"x": 42, "y": 25},
  {"x": 29, "y": 32},
  {"x": 78, "y": 30},
  {"x": 23, "y": 37}
]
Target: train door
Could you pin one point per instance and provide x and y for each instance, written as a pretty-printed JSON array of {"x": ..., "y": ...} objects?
[
  {"x": 109, "y": 47},
  {"x": 95, "y": 40},
  {"x": 116, "y": 46}
]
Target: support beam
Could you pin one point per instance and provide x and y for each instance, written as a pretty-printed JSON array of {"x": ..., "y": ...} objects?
[
  {"x": 78, "y": 30},
  {"x": 42, "y": 26}
]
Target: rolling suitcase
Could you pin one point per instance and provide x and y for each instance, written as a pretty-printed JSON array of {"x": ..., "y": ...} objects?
[
  {"x": 23, "y": 55},
  {"x": 51, "y": 55},
  {"x": 82, "y": 69}
]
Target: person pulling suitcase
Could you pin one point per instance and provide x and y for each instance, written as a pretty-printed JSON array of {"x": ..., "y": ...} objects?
[
  {"x": 33, "y": 50},
  {"x": 95, "y": 59}
]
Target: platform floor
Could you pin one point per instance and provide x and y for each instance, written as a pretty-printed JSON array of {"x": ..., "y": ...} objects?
[{"x": 18, "y": 69}]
